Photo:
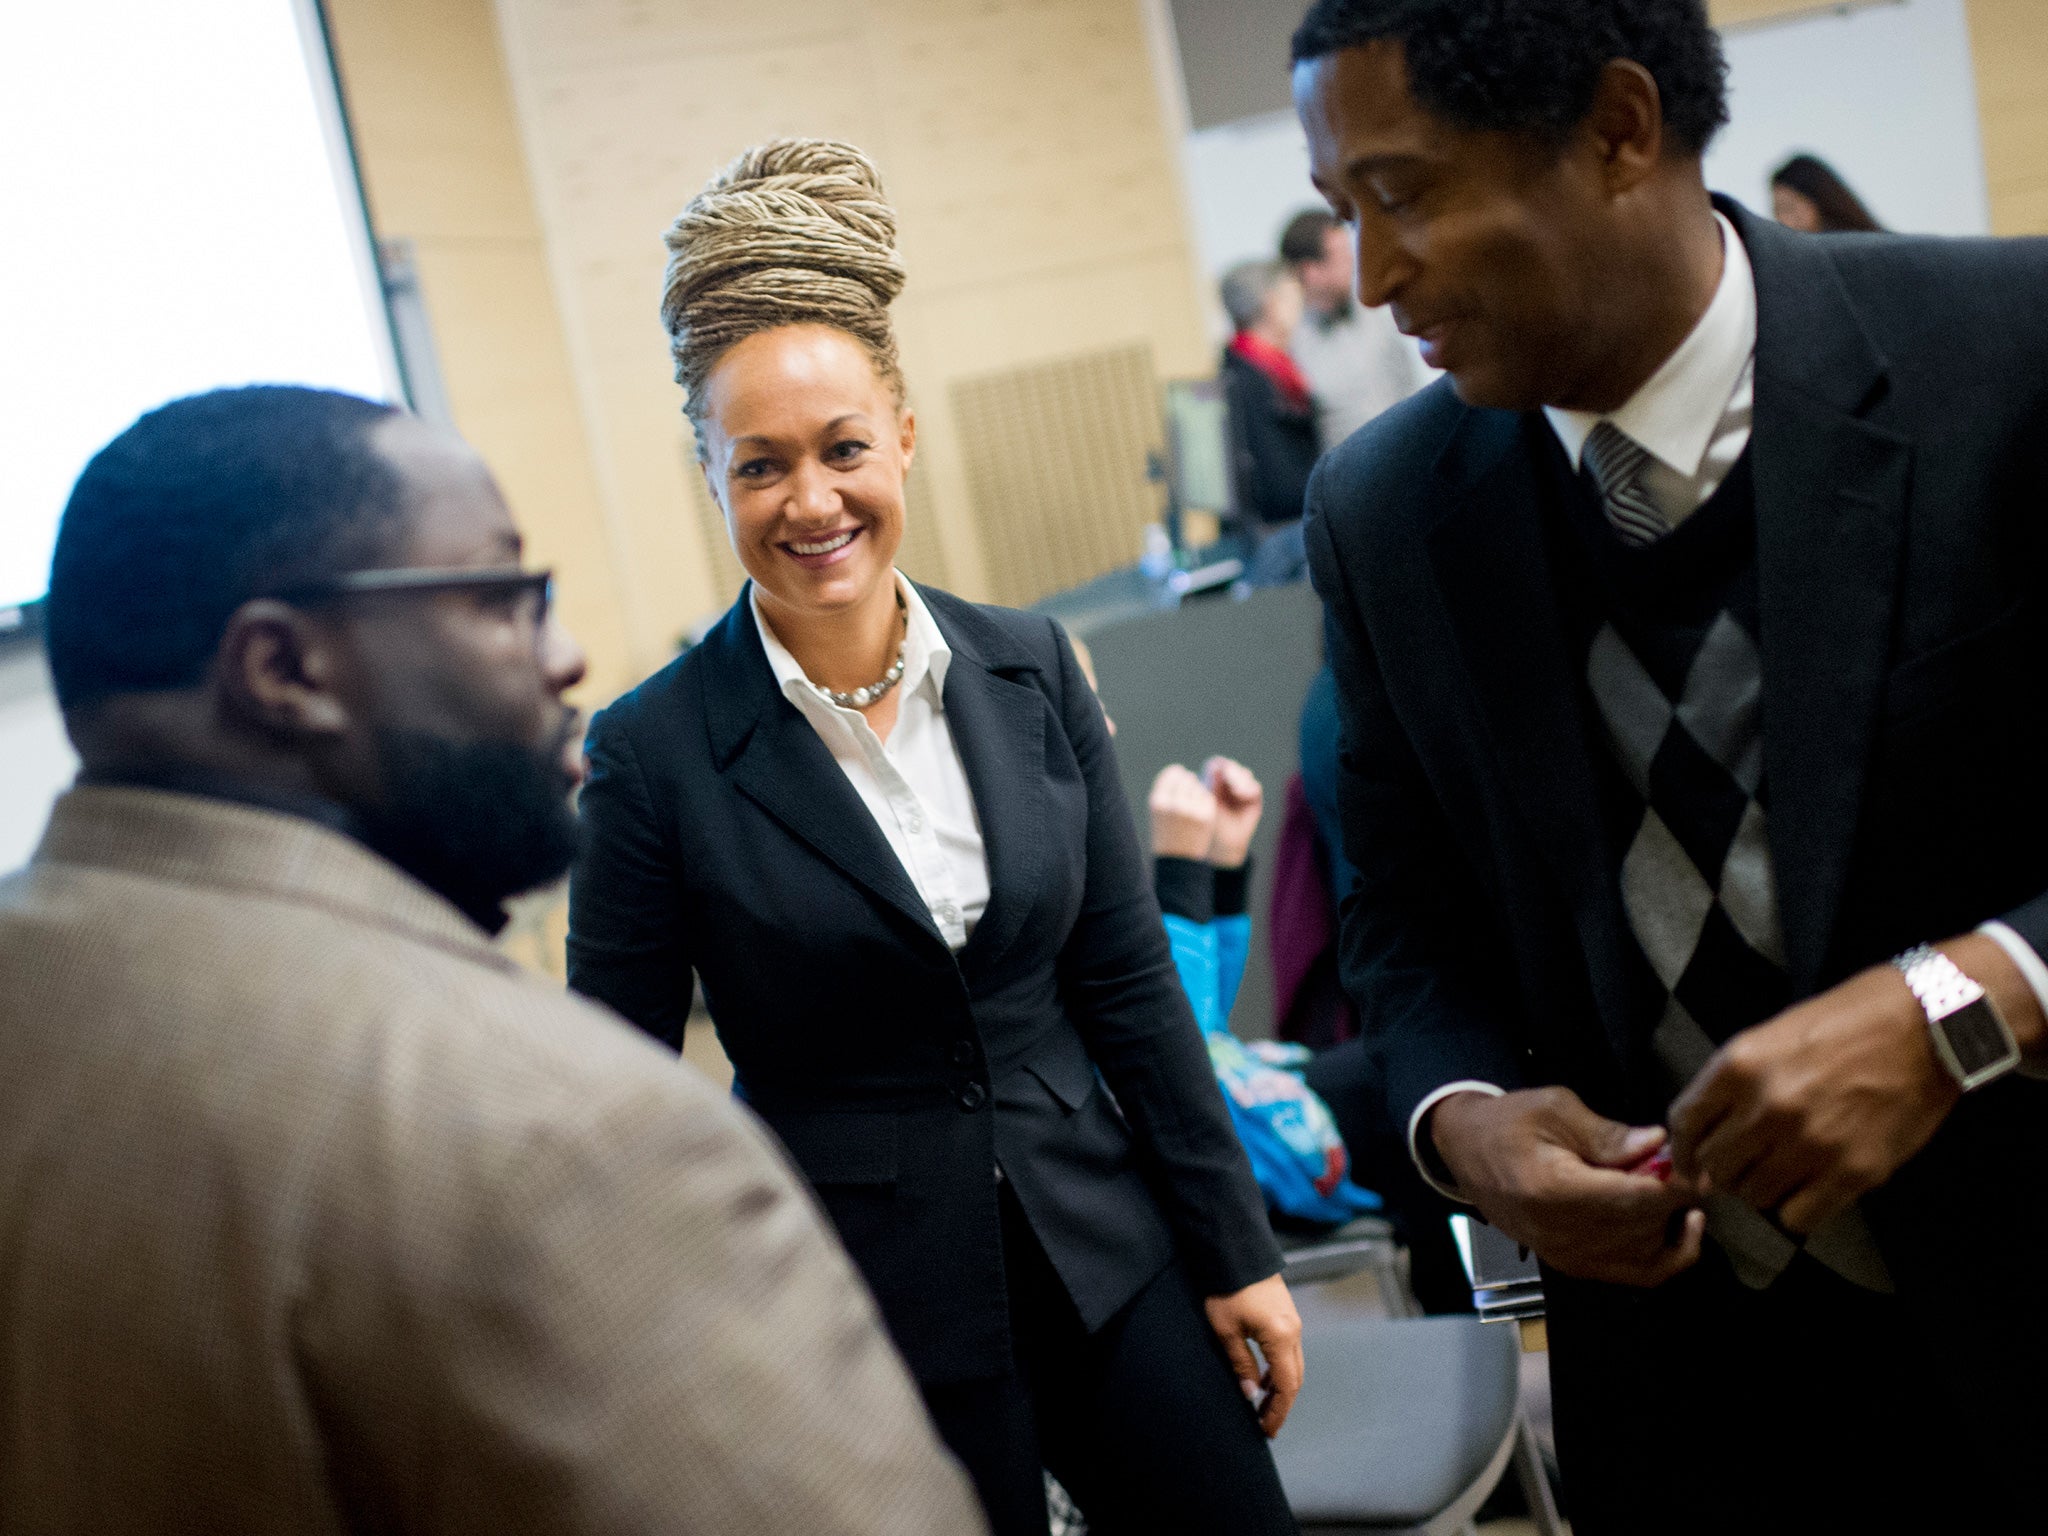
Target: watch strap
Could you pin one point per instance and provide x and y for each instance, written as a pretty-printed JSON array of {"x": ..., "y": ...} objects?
[{"x": 1944, "y": 991}]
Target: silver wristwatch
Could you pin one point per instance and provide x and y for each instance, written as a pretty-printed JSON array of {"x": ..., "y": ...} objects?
[{"x": 1972, "y": 1040}]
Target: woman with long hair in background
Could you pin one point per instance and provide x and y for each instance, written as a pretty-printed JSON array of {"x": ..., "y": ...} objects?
[{"x": 1807, "y": 195}]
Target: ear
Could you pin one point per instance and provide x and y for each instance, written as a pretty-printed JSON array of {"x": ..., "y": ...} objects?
[
  {"x": 278, "y": 668},
  {"x": 906, "y": 435},
  {"x": 1626, "y": 121}
]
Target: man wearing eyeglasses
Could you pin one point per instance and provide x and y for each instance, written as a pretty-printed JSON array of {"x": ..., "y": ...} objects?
[{"x": 315, "y": 1213}]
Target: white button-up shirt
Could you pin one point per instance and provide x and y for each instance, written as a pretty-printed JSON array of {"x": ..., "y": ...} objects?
[
  {"x": 913, "y": 784},
  {"x": 1693, "y": 414}
]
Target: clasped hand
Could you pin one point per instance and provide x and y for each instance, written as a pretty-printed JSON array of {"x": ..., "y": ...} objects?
[
  {"x": 1797, "y": 1117},
  {"x": 1209, "y": 816},
  {"x": 1806, "y": 1112},
  {"x": 1554, "y": 1176}
]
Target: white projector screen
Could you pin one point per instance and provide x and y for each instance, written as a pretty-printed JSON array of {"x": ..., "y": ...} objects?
[{"x": 182, "y": 213}]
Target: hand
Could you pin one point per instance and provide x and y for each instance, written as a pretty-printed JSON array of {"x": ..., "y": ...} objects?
[
  {"x": 1819, "y": 1105},
  {"x": 1262, "y": 1314},
  {"x": 1183, "y": 815},
  {"x": 1549, "y": 1173},
  {"x": 1239, "y": 802}
]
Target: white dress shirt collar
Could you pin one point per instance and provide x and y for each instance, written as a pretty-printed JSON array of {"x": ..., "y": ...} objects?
[
  {"x": 925, "y": 652},
  {"x": 914, "y": 785},
  {"x": 1677, "y": 411}
]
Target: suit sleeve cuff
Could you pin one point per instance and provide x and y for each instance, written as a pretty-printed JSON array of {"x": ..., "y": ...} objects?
[
  {"x": 1186, "y": 888},
  {"x": 1232, "y": 888},
  {"x": 2028, "y": 959},
  {"x": 1427, "y": 1162}
]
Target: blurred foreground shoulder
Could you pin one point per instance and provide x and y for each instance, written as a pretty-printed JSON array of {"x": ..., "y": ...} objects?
[{"x": 646, "y": 1325}]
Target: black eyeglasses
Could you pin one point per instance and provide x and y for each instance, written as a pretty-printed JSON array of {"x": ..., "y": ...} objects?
[{"x": 536, "y": 588}]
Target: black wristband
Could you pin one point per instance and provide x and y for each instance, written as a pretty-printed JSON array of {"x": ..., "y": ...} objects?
[
  {"x": 1186, "y": 887},
  {"x": 1233, "y": 889}
]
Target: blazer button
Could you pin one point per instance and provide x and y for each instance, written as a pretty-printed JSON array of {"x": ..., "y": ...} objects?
[
  {"x": 971, "y": 1097},
  {"x": 963, "y": 1053}
]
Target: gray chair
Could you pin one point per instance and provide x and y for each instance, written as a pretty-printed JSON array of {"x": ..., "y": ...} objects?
[
  {"x": 1404, "y": 1423},
  {"x": 1363, "y": 1246}
]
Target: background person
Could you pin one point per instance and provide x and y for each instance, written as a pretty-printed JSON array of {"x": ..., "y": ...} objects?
[
  {"x": 1202, "y": 827},
  {"x": 1356, "y": 361},
  {"x": 884, "y": 829},
  {"x": 319, "y": 1214},
  {"x": 1272, "y": 414},
  {"x": 1681, "y": 646},
  {"x": 1808, "y": 196}
]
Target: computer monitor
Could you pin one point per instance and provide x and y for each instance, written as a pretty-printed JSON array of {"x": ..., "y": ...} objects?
[{"x": 1198, "y": 469}]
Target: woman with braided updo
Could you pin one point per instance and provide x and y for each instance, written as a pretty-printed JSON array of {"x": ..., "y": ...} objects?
[{"x": 883, "y": 829}]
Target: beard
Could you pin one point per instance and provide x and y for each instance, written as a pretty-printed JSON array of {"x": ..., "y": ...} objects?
[{"x": 476, "y": 821}]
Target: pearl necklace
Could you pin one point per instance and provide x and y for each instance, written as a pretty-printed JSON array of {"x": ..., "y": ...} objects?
[{"x": 861, "y": 698}]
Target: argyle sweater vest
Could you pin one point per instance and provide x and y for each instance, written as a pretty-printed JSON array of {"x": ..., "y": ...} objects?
[{"x": 1666, "y": 637}]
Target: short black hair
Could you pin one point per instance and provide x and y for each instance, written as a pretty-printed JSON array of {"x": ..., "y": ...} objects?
[
  {"x": 1532, "y": 66},
  {"x": 1306, "y": 235},
  {"x": 195, "y": 509}
]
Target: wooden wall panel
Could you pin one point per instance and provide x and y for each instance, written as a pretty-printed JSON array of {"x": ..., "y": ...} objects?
[
  {"x": 1023, "y": 142},
  {"x": 1741, "y": 13},
  {"x": 2009, "y": 43},
  {"x": 1050, "y": 521},
  {"x": 442, "y": 166}
]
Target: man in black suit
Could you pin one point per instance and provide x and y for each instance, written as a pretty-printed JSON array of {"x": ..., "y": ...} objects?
[{"x": 1689, "y": 656}]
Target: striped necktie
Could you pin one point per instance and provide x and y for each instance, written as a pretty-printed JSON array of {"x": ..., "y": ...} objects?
[{"x": 1616, "y": 462}]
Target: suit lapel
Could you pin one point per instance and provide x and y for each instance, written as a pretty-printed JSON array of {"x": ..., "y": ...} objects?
[
  {"x": 1494, "y": 570},
  {"x": 787, "y": 771},
  {"x": 1831, "y": 492},
  {"x": 776, "y": 759},
  {"x": 998, "y": 725}
]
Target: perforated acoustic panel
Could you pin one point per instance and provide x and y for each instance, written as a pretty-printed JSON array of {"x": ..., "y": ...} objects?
[
  {"x": 921, "y": 557},
  {"x": 1056, "y": 458}
]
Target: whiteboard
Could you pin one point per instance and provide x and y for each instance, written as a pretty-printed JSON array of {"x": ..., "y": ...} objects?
[
  {"x": 182, "y": 213},
  {"x": 1245, "y": 181}
]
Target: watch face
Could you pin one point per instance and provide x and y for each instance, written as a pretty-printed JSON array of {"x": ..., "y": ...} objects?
[{"x": 1977, "y": 1036}]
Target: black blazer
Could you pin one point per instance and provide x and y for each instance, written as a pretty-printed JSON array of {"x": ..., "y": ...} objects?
[
  {"x": 1900, "y": 463},
  {"x": 1273, "y": 445},
  {"x": 721, "y": 837}
]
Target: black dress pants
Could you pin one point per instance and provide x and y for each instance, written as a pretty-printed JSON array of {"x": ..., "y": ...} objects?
[
  {"x": 1810, "y": 1407},
  {"x": 1142, "y": 1421}
]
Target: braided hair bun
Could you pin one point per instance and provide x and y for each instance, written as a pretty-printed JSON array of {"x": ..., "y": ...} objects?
[{"x": 793, "y": 232}]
